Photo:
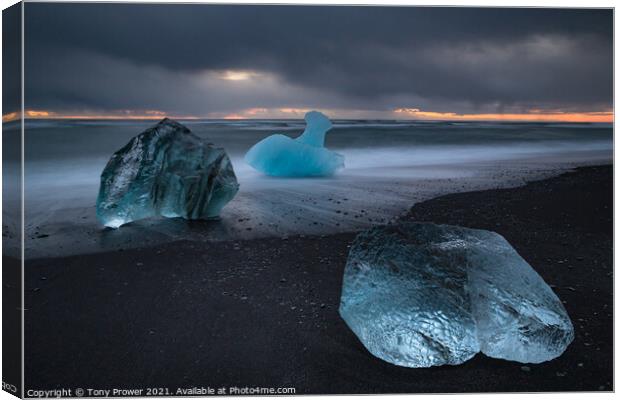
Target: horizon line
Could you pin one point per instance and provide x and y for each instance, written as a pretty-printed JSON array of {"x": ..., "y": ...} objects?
[{"x": 400, "y": 114}]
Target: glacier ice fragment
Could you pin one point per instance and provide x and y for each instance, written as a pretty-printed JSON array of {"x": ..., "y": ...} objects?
[
  {"x": 165, "y": 171},
  {"x": 421, "y": 295},
  {"x": 279, "y": 155}
]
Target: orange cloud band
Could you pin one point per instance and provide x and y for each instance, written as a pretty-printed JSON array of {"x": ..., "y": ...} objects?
[
  {"x": 534, "y": 116},
  {"x": 410, "y": 113},
  {"x": 40, "y": 114}
]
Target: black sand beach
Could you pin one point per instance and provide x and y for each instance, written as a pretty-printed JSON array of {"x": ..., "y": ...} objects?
[{"x": 265, "y": 312}]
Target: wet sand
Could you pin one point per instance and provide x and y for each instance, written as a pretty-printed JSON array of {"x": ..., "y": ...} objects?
[{"x": 264, "y": 312}]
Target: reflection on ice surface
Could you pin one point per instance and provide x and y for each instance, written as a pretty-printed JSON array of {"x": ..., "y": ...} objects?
[
  {"x": 165, "y": 171},
  {"x": 422, "y": 295},
  {"x": 388, "y": 170}
]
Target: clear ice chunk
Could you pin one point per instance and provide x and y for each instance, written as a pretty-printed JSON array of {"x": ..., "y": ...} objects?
[
  {"x": 279, "y": 155},
  {"x": 165, "y": 171},
  {"x": 421, "y": 295}
]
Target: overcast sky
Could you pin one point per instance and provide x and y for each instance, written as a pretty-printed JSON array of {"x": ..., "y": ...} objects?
[{"x": 366, "y": 62}]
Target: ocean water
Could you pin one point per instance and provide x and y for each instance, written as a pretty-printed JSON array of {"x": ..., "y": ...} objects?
[{"x": 389, "y": 166}]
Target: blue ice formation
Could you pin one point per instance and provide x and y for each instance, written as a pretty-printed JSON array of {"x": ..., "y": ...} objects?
[
  {"x": 165, "y": 171},
  {"x": 279, "y": 155},
  {"x": 422, "y": 295}
]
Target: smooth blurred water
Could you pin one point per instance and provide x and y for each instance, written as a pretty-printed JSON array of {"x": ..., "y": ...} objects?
[{"x": 389, "y": 166}]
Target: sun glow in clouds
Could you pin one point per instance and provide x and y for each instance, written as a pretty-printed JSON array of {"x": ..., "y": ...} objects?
[
  {"x": 262, "y": 113},
  {"x": 11, "y": 117},
  {"x": 532, "y": 116},
  {"x": 113, "y": 115},
  {"x": 233, "y": 75}
]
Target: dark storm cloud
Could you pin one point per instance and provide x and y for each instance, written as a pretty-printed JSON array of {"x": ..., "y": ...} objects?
[
  {"x": 92, "y": 55},
  {"x": 11, "y": 54}
]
